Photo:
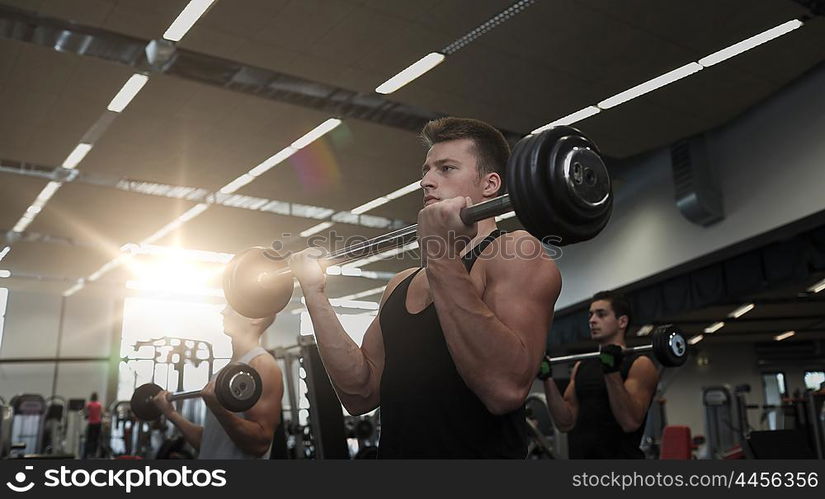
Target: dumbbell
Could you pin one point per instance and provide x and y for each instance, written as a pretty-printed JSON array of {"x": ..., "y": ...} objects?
[{"x": 237, "y": 388}]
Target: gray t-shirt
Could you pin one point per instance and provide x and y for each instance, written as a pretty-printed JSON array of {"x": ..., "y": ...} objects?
[{"x": 215, "y": 442}]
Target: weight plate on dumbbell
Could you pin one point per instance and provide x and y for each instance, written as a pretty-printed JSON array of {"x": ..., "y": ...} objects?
[
  {"x": 141, "y": 402},
  {"x": 238, "y": 387}
]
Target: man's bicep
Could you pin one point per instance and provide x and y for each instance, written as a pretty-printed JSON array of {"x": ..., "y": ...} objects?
[
  {"x": 523, "y": 296},
  {"x": 267, "y": 411},
  {"x": 641, "y": 381}
]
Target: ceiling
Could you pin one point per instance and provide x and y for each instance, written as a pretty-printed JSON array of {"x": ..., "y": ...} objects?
[{"x": 552, "y": 59}]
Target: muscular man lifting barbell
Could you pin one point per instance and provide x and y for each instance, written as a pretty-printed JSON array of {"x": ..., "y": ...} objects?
[
  {"x": 226, "y": 435},
  {"x": 605, "y": 405},
  {"x": 450, "y": 357}
]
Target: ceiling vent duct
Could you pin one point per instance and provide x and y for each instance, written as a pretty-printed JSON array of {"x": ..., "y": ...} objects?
[{"x": 698, "y": 195}]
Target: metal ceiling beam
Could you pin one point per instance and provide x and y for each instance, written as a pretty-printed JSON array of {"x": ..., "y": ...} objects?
[
  {"x": 68, "y": 37},
  {"x": 199, "y": 195}
]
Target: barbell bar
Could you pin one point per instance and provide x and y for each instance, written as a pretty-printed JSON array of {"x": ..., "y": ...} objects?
[{"x": 559, "y": 188}]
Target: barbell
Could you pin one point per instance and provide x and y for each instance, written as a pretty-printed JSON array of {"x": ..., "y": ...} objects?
[
  {"x": 667, "y": 345},
  {"x": 558, "y": 186},
  {"x": 237, "y": 388}
]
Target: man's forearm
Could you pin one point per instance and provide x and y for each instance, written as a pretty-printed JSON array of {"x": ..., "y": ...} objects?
[
  {"x": 343, "y": 360},
  {"x": 559, "y": 408},
  {"x": 191, "y": 432},
  {"x": 487, "y": 354},
  {"x": 626, "y": 411}
]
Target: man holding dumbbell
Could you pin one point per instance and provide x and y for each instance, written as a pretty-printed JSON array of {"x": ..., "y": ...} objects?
[
  {"x": 226, "y": 435},
  {"x": 605, "y": 405},
  {"x": 450, "y": 357}
]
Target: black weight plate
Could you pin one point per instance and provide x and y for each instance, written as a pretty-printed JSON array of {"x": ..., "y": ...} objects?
[
  {"x": 141, "y": 402},
  {"x": 238, "y": 387},
  {"x": 669, "y": 346}
]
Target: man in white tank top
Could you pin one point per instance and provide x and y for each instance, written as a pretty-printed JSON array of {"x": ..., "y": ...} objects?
[{"x": 227, "y": 435}]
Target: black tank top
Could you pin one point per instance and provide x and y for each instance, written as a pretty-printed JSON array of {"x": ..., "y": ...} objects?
[
  {"x": 427, "y": 411},
  {"x": 597, "y": 434}
]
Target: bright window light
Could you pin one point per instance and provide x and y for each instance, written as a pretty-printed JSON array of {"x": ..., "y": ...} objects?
[
  {"x": 785, "y": 335},
  {"x": 651, "y": 85},
  {"x": 186, "y": 19},
  {"x": 316, "y": 229},
  {"x": 570, "y": 118},
  {"x": 744, "y": 309},
  {"x": 128, "y": 92},
  {"x": 273, "y": 160},
  {"x": 696, "y": 339},
  {"x": 316, "y": 133},
  {"x": 77, "y": 155},
  {"x": 412, "y": 72},
  {"x": 714, "y": 327},
  {"x": 754, "y": 41}
]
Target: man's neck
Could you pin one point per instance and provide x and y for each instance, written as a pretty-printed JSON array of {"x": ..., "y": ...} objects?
[{"x": 242, "y": 346}]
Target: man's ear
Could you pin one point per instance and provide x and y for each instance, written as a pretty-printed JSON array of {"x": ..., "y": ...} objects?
[
  {"x": 624, "y": 321},
  {"x": 490, "y": 184}
]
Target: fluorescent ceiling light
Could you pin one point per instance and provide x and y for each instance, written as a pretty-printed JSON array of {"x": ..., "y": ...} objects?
[
  {"x": 77, "y": 155},
  {"x": 127, "y": 92},
  {"x": 74, "y": 289},
  {"x": 383, "y": 255},
  {"x": 5, "y": 273},
  {"x": 186, "y": 19},
  {"x": 316, "y": 229},
  {"x": 48, "y": 192},
  {"x": 754, "y": 41},
  {"x": 369, "y": 292},
  {"x": 785, "y": 335},
  {"x": 816, "y": 288},
  {"x": 273, "y": 160},
  {"x": 714, "y": 327},
  {"x": 696, "y": 339},
  {"x": 193, "y": 212},
  {"x": 412, "y": 72},
  {"x": 370, "y": 205},
  {"x": 645, "y": 330},
  {"x": 650, "y": 85},
  {"x": 570, "y": 118},
  {"x": 316, "y": 133},
  {"x": 744, "y": 309},
  {"x": 4, "y": 252},
  {"x": 237, "y": 183},
  {"x": 345, "y": 271},
  {"x": 404, "y": 190}
]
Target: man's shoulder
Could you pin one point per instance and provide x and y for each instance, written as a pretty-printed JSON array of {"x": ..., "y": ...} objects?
[{"x": 518, "y": 248}]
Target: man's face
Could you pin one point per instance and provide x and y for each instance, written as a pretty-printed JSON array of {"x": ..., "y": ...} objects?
[
  {"x": 232, "y": 321},
  {"x": 604, "y": 325},
  {"x": 450, "y": 170}
]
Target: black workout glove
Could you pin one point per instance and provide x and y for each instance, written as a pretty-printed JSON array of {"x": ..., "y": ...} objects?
[
  {"x": 545, "y": 371},
  {"x": 611, "y": 358}
]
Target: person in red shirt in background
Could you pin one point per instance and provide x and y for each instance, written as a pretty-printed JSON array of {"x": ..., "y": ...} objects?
[{"x": 94, "y": 412}]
